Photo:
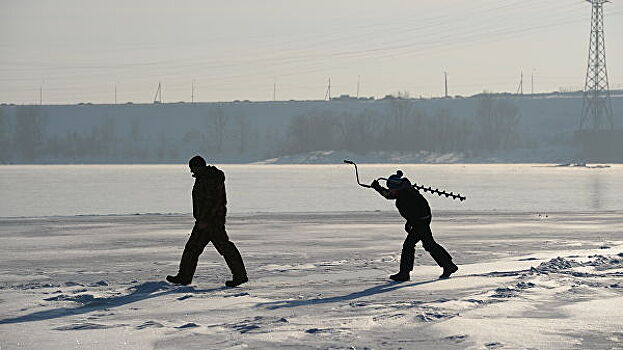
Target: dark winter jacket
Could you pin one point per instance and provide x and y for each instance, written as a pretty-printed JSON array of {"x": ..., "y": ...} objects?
[
  {"x": 410, "y": 203},
  {"x": 209, "y": 200}
]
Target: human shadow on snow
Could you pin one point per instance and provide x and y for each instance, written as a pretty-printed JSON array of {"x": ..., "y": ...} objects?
[
  {"x": 143, "y": 291},
  {"x": 383, "y": 288},
  {"x": 380, "y": 289}
]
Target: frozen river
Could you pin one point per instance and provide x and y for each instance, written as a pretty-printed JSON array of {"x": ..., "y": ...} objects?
[
  {"x": 317, "y": 281},
  {"x": 66, "y": 190},
  {"x": 318, "y": 250}
]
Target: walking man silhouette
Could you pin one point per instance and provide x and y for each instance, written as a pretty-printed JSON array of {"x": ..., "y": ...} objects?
[{"x": 209, "y": 210}]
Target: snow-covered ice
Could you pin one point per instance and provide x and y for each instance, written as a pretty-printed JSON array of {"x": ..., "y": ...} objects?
[{"x": 318, "y": 281}]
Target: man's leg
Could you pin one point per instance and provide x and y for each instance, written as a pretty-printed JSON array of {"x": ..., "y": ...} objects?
[
  {"x": 231, "y": 254},
  {"x": 407, "y": 256},
  {"x": 439, "y": 254},
  {"x": 188, "y": 264}
]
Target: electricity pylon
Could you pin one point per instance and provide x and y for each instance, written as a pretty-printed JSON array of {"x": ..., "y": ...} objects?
[{"x": 596, "y": 105}]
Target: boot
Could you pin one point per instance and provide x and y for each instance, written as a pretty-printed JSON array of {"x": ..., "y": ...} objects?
[
  {"x": 177, "y": 279},
  {"x": 236, "y": 266},
  {"x": 448, "y": 270},
  {"x": 188, "y": 265},
  {"x": 400, "y": 277},
  {"x": 236, "y": 281}
]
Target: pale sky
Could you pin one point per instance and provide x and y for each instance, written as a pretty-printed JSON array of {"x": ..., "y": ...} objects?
[{"x": 79, "y": 50}]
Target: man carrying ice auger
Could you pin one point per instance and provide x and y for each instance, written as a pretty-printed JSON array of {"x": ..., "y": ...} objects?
[
  {"x": 209, "y": 209},
  {"x": 415, "y": 209}
]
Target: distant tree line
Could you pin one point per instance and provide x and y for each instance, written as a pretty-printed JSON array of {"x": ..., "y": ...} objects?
[
  {"x": 400, "y": 127},
  {"x": 25, "y": 137},
  {"x": 405, "y": 128}
]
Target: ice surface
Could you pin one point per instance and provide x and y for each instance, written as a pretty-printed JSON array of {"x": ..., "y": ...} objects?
[
  {"x": 317, "y": 281},
  {"x": 53, "y": 190}
]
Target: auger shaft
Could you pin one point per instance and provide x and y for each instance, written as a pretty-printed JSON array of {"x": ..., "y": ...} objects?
[{"x": 439, "y": 192}]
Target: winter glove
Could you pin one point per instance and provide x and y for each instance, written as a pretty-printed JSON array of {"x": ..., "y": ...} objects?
[
  {"x": 408, "y": 227},
  {"x": 375, "y": 184}
]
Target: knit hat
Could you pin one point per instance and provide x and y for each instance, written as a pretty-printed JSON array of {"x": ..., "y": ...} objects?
[{"x": 397, "y": 182}]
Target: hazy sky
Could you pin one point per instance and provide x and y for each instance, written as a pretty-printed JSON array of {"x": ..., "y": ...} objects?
[{"x": 78, "y": 50}]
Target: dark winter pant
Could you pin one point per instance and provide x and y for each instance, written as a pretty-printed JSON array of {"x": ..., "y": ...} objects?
[
  {"x": 198, "y": 240},
  {"x": 420, "y": 231}
]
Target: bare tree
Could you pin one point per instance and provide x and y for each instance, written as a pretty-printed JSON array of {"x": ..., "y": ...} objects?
[
  {"x": 311, "y": 132},
  {"x": 242, "y": 133},
  {"x": 497, "y": 121},
  {"x": 357, "y": 132},
  {"x": 5, "y": 137},
  {"x": 135, "y": 149},
  {"x": 402, "y": 122},
  {"x": 30, "y": 125},
  {"x": 217, "y": 122},
  {"x": 163, "y": 147}
]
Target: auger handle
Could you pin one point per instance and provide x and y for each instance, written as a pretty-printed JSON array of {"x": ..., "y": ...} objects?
[{"x": 356, "y": 173}]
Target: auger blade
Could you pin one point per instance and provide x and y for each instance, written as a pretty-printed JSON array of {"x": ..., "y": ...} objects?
[{"x": 439, "y": 192}]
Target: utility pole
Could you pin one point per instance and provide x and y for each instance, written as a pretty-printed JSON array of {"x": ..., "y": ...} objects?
[
  {"x": 532, "y": 82},
  {"x": 445, "y": 78},
  {"x": 115, "y": 93},
  {"x": 596, "y": 105},
  {"x": 275, "y": 90},
  {"x": 158, "y": 96},
  {"x": 327, "y": 95},
  {"x": 41, "y": 94},
  {"x": 520, "y": 88},
  {"x": 192, "y": 92},
  {"x": 358, "y": 78}
]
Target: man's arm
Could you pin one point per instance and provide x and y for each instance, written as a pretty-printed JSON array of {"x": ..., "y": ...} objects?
[
  {"x": 209, "y": 195},
  {"x": 201, "y": 202},
  {"x": 382, "y": 190}
]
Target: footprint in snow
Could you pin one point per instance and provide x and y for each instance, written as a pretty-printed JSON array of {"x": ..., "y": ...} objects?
[
  {"x": 431, "y": 316},
  {"x": 504, "y": 293},
  {"x": 257, "y": 323},
  {"x": 246, "y": 328},
  {"x": 99, "y": 284},
  {"x": 237, "y": 295},
  {"x": 188, "y": 325},
  {"x": 73, "y": 284},
  {"x": 85, "y": 326},
  {"x": 149, "y": 324},
  {"x": 456, "y": 338}
]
